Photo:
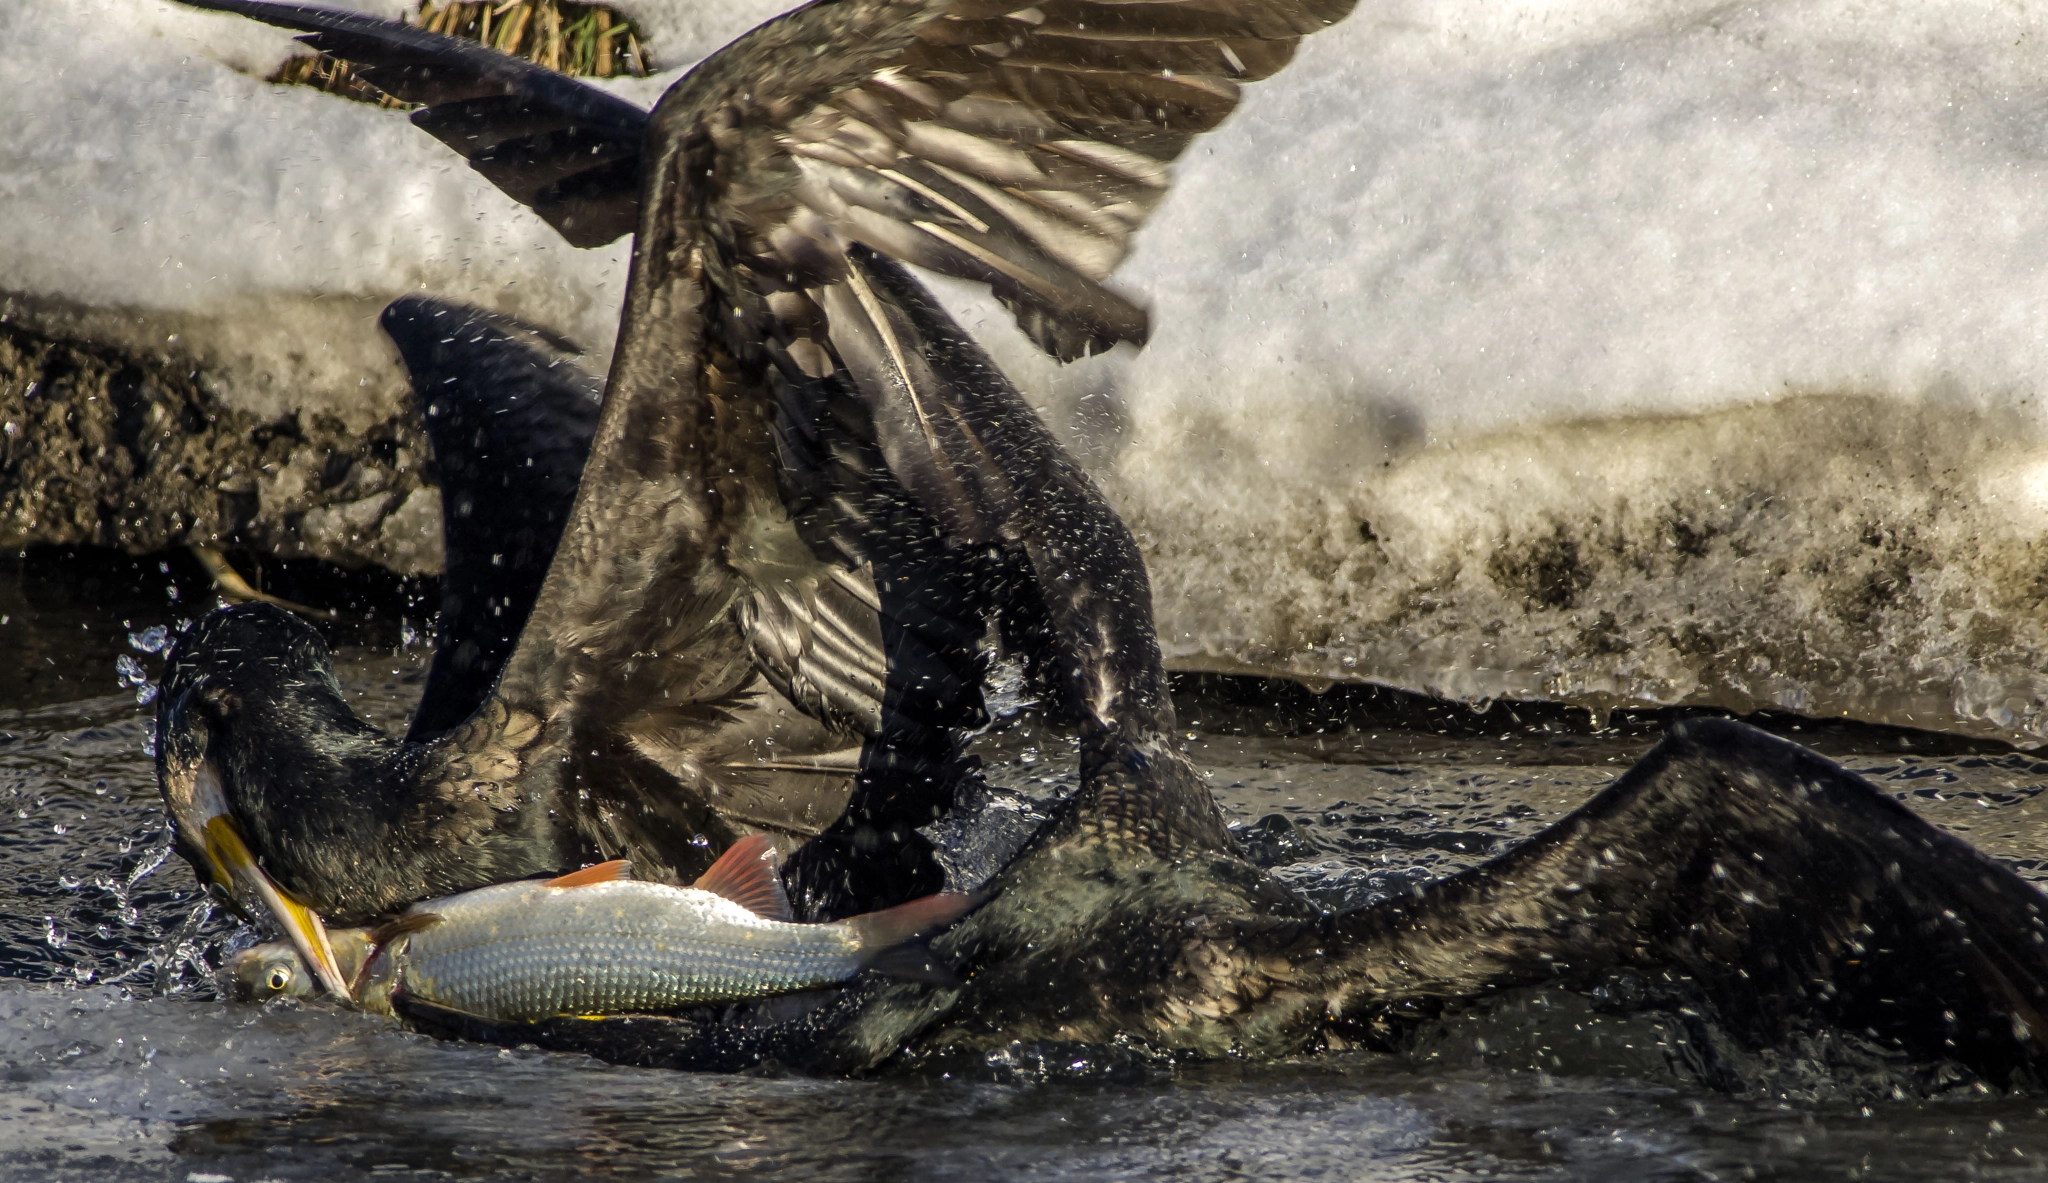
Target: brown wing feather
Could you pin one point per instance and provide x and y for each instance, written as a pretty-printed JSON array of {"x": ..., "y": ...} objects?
[
  {"x": 1019, "y": 154},
  {"x": 1017, "y": 146},
  {"x": 1763, "y": 883}
]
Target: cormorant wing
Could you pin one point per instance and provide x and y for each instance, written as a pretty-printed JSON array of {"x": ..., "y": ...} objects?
[
  {"x": 510, "y": 419},
  {"x": 1020, "y": 146},
  {"x": 970, "y": 452},
  {"x": 1016, "y": 146},
  {"x": 569, "y": 151},
  {"x": 866, "y": 678},
  {"x": 1735, "y": 872}
]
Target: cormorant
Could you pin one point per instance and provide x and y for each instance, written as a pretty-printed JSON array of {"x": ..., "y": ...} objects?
[
  {"x": 1757, "y": 883},
  {"x": 756, "y": 618},
  {"x": 1765, "y": 895}
]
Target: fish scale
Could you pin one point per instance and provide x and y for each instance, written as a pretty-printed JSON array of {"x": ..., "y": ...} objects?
[{"x": 527, "y": 950}]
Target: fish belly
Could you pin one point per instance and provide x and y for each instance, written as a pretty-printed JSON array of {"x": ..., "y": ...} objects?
[{"x": 528, "y": 951}]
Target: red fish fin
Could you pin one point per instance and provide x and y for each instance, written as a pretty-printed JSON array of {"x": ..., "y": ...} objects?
[
  {"x": 746, "y": 875},
  {"x": 609, "y": 872},
  {"x": 882, "y": 931}
]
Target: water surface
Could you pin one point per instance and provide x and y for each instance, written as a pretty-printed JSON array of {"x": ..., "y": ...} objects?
[{"x": 117, "y": 1061}]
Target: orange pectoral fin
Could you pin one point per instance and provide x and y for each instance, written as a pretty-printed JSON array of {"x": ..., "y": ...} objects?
[{"x": 610, "y": 872}]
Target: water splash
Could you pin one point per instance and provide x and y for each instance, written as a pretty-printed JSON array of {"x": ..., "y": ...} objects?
[
  {"x": 133, "y": 676},
  {"x": 154, "y": 639}
]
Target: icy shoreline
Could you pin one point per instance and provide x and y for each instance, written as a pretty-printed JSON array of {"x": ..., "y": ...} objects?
[{"x": 1612, "y": 351}]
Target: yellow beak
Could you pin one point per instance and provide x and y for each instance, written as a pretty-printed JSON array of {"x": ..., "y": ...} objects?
[{"x": 233, "y": 864}]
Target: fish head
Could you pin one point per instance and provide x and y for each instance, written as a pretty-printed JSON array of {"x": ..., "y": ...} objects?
[
  {"x": 270, "y": 970},
  {"x": 275, "y": 969},
  {"x": 228, "y": 662}
]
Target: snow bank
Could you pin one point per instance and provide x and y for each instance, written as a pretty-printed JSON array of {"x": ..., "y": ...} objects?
[
  {"x": 1621, "y": 351},
  {"x": 160, "y": 196}
]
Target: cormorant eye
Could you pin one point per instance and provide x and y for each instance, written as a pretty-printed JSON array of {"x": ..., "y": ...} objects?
[{"x": 280, "y": 977}]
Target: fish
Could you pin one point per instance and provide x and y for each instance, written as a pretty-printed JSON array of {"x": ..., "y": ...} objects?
[{"x": 599, "y": 942}]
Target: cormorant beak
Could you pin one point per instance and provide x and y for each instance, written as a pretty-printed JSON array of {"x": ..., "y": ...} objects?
[{"x": 234, "y": 867}]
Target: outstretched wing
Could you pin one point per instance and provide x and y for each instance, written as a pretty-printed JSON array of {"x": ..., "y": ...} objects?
[
  {"x": 1017, "y": 145},
  {"x": 569, "y": 151},
  {"x": 1753, "y": 879},
  {"x": 510, "y": 418},
  {"x": 972, "y": 453},
  {"x": 839, "y": 129},
  {"x": 1020, "y": 146},
  {"x": 1755, "y": 886}
]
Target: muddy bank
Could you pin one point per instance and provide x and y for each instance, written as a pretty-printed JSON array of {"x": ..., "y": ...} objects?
[
  {"x": 102, "y": 449},
  {"x": 1826, "y": 555}
]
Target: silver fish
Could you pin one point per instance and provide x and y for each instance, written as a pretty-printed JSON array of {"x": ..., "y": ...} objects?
[{"x": 596, "y": 942}]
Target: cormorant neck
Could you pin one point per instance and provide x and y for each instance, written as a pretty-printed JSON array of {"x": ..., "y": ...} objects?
[{"x": 320, "y": 796}]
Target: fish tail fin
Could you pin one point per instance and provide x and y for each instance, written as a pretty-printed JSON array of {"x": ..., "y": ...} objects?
[{"x": 882, "y": 933}]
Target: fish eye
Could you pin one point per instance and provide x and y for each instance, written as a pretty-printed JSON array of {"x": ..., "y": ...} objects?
[{"x": 280, "y": 977}]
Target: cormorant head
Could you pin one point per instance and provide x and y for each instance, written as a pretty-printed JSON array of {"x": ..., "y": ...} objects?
[{"x": 238, "y": 675}]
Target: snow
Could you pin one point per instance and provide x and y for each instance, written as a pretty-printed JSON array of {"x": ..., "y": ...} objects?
[
  {"x": 1619, "y": 350},
  {"x": 176, "y": 199}
]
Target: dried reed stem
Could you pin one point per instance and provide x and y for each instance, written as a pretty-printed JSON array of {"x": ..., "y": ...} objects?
[{"x": 578, "y": 39}]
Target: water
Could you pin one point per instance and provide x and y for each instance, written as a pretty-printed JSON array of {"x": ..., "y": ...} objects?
[{"x": 117, "y": 1061}]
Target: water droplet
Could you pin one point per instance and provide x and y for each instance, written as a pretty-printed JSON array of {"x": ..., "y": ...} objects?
[
  {"x": 154, "y": 639},
  {"x": 130, "y": 671}
]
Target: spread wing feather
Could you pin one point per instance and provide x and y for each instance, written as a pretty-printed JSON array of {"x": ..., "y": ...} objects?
[
  {"x": 1017, "y": 146},
  {"x": 1020, "y": 146},
  {"x": 1765, "y": 882},
  {"x": 568, "y": 150},
  {"x": 734, "y": 502},
  {"x": 975, "y": 457},
  {"x": 510, "y": 419}
]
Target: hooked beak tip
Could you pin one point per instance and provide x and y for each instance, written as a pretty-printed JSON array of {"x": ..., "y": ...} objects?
[{"x": 235, "y": 865}]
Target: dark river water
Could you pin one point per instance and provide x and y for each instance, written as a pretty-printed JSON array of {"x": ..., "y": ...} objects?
[{"x": 118, "y": 1061}]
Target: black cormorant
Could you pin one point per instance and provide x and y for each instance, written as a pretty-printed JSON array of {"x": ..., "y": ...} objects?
[
  {"x": 759, "y": 615},
  {"x": 1762, "y": 895},
  {"x": 1755, "y": 883}
]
